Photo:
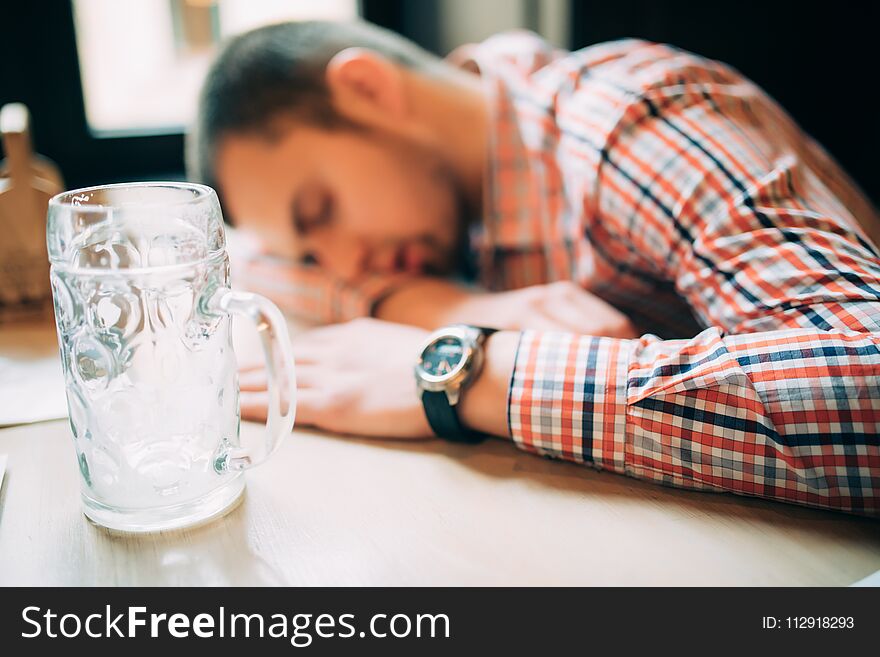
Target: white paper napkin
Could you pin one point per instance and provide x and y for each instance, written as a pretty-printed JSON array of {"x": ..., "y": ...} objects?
[{"x": 31, "y": 382}]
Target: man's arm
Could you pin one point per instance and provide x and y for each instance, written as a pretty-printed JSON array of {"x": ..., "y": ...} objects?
[
  {"x": 790, "y": 415},
  {"x": 787, "y": 415},
  {"x": 561, "y": 306},
  {"x": 780, "y": 398},
  {"x": 309, "y": 292}
]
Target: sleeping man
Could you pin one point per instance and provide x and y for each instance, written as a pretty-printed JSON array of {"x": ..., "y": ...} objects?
[{"x": 686, "y": 287}]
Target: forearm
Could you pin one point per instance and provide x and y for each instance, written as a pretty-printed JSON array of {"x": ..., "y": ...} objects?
[
  {"x": 428, "y": 303},
  {"x": 762, "y": 414},
  {"x": 309, "y": 292}
]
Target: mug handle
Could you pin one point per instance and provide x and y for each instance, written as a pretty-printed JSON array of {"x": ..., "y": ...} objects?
[{"x": 280, "y": 373}]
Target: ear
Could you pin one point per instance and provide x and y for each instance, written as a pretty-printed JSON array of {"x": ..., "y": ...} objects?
[{"x": 366, "y": 86}]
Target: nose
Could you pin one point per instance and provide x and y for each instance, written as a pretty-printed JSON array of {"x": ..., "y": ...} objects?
[
  {"x": 344, "y": 258},
  {"x": 385, "y": 258}
]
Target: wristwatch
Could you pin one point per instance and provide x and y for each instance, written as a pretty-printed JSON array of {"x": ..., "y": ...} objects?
[{"x": 450, "y": 359}]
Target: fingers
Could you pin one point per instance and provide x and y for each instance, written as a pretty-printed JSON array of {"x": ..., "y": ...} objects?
[
  {"x": 309, "y": 356},
  {"x": 307, "y": 376},
  {"x": 253, "y": 380},
  {"x": 570, "y": 308},
  {"x": 568, "y": 316},
  {"x": 254, "y": 405},
  {"x": 541, "y": 321},
  {"x": 308, "y": 407},
  {"x": 319, "y": 337},
  {"x": 254, "y": 395},
  {"x": 567, "y": 307},
  {"x": 606, "y": 319}
]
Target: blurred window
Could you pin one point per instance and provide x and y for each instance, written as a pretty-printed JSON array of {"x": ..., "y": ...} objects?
[{"x": 142, "y": 61}]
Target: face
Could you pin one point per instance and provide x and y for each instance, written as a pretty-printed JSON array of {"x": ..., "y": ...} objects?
[
  {"x": 442, "y": 357},
  {"x": 350, "y": 201}
]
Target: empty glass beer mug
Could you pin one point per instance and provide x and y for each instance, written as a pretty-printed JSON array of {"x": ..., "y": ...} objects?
[{"x": 140, "y": 279}]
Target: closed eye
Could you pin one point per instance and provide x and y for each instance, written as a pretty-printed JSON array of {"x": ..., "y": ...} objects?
[{"x": 312, "y": 209}]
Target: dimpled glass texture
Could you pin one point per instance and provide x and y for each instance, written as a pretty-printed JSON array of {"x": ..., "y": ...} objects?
[{"x": 150, "y": 373}]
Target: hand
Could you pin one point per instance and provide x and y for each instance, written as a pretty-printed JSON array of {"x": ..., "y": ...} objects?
[
  {"x": 562, "y": 306},
  {"x": 353, "y": 378},
  {"x": 357, "y": 378}
]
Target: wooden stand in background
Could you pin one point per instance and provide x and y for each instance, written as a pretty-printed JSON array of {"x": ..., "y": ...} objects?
[{"x": 27, "y": 182}]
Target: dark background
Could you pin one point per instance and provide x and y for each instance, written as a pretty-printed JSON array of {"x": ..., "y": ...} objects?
[{"x": 819, "y": 62}]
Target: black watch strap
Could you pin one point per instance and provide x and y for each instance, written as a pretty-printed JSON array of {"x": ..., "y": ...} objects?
[
  {"x": 444, "y": 421},
  {"x": 443, "y": 416}
]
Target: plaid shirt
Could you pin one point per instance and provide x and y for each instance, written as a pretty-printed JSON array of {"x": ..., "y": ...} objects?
[{"x": 678, "y": 191}]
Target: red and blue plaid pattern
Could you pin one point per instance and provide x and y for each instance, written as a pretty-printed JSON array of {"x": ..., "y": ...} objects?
[
  {"x": 675, "y": 189},
  {"x": 678, "y": 191}
]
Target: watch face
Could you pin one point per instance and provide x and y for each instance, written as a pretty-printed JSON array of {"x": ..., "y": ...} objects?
[{"x": 442, "y": 356}]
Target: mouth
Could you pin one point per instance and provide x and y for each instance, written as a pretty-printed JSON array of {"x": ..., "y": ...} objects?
[{"x": 409, "y": 258}]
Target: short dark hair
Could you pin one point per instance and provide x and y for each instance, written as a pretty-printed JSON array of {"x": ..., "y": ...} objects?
[{"x": 276, "y": 71}]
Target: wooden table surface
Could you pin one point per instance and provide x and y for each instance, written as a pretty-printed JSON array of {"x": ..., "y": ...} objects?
[{"x": 343, "y": 511}]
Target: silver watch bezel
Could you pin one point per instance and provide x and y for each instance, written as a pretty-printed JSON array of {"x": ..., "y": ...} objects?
[{"x": 452, "y": 382}]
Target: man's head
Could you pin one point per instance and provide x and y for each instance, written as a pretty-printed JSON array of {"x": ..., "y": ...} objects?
[{"x": 321, "y": 140}]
